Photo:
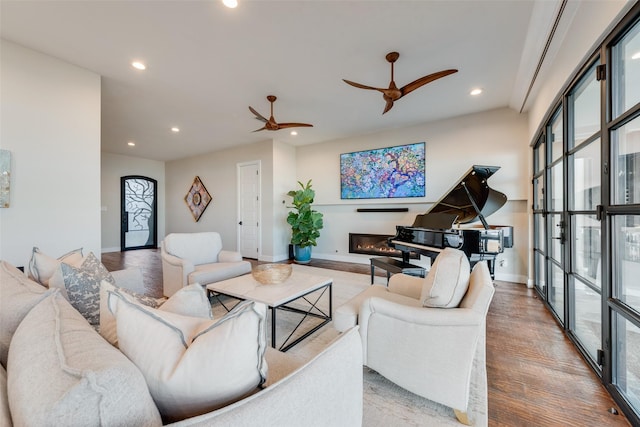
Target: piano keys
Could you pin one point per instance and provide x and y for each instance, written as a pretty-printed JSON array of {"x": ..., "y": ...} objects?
[{"x": 470, "y": 199}]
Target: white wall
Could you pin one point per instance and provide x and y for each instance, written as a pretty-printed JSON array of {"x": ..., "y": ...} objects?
[
  {"x": 50, "y": 121},
  {"x": 115, "y": 166},
  {"x": 496, "y": 138},
  {"x": 284, "y": 180},
  {"x": 217, "y": 171}
]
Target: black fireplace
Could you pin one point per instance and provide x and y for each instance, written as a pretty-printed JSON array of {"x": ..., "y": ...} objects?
[{"x": 374, "y": 244}]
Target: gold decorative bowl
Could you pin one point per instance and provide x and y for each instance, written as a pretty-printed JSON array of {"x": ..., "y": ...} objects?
[{"x": 271, "y": 274}]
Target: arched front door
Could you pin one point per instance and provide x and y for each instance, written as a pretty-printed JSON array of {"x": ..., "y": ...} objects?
[{"x": 138, "y": 225}]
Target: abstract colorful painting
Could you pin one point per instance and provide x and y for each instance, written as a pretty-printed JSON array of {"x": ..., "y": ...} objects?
[
  {"x": 382, "y": 173},
  {"x": 198, "y": 198}
]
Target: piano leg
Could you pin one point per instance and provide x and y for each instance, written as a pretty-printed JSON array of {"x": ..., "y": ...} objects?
[{"x": 491, "y": 264}]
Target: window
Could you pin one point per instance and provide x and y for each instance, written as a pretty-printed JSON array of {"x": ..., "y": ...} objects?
[{"x": 587, "y": 237}]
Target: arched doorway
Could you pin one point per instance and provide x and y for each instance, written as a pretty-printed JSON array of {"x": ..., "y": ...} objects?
[{"x": 138, "y": 207}]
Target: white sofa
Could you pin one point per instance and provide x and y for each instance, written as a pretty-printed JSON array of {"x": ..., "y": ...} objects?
[
  {"x": 189, "y": 258},
  {"x": 57, "y": 370},
  {"x": 422, "y": 334}
]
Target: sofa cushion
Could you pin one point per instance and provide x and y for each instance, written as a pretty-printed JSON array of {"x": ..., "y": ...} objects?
[
  {"x": 211, "y": 273},
  {"x": 18, "y": 295},
  {"x": 81, "y": 286},
  {"x": 5, "y": 414},
  {"x": 193, "y": 366},
  {"x": 63, "y": 373},
  {"x": 447, "y": 280},
  {"x": 42, "y": 267},
  {"x": 189, "y": 301},
  {"x": 199, "y": 248}
]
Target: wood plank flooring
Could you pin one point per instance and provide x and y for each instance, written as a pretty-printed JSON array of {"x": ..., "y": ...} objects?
[{"x": 535, "y": 375}]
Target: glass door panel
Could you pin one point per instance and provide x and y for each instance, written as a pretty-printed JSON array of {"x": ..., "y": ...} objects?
[
  {"x": 626, "y": 268},
  {"x": 587, "y": 324},
  {"x": 586, "y": 248},
  {"x": 625, "y": 146},
  {"x": 556, "y": 291},
  {"x": 627, "y": 359},
  {"x": 557, "y": 237},
  {"x": 557, "y": 192},
  {"x": 539, "y": 156},
  {"x": 540, "y": 234},
  {"x": 626, "y": 72},
  {"x": 538, "y": 193},
  {"x": 586, "y": 194},
  {"x": 556, "y": 137},
  {"x": 541, "y": 281},
  {"x": 585, "y": 108}
]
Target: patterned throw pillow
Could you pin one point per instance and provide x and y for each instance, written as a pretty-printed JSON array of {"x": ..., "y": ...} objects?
[
  {"x": 41, "y": 266},
  {"x": 83, "y": 287}
]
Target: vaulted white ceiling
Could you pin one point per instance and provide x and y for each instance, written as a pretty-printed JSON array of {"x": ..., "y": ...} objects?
[{"x": 206, "y": 64}]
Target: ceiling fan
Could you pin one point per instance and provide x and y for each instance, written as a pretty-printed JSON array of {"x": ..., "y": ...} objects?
[
  {"x": 271, "y": 124},
  {"x": 392, "y": 93}
]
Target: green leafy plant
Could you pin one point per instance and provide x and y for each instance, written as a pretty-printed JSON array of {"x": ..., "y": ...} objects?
[{"x": 305, "y": 222}]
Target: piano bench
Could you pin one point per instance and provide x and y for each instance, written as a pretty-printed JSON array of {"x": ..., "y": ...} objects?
[{"x": 392, "y": 266}]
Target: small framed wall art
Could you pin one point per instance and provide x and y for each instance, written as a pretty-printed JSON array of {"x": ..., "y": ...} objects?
[
  {"x": 197, "y": 199},
  {"x": 5, "y": 178}
]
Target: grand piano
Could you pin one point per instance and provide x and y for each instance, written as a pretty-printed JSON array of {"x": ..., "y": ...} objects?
[{"x": 469, "y": 200}]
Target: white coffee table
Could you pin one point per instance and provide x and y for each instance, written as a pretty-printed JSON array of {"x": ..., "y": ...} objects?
[{"x": 297, "y": 287}]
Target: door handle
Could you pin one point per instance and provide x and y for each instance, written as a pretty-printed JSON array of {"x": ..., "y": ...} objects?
[{"x": 240, "y": 223}]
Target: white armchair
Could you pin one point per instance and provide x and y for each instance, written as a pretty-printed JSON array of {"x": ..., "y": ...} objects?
[
  {"x": 189, "y": 258},
  {"x": 409, "y": 336}
]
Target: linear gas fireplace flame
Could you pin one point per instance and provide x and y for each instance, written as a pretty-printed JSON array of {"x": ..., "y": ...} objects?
[{"x": 373, "y": 244}]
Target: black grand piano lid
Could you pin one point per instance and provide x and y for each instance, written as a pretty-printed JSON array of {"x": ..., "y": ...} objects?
[{"x": 457, "y": 202}]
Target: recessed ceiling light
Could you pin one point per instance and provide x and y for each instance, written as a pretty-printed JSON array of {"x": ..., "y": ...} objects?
[
  {"x": 475, "y": 92},
  {"x": 294, "y": 133},
  {"x": 131, "y": 144},
  {"x": 138, "y": 65},
  {"x": 231, "y": 4},
  {"x": 175, "y": 129},
  {"x": 635, "y": 55}
]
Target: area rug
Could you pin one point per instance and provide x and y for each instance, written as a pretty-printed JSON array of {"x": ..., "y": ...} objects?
[{"x": 385, "y": 404}]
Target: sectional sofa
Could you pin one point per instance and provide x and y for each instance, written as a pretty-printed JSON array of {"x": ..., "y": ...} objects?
[{"x": 56, "y": 369}]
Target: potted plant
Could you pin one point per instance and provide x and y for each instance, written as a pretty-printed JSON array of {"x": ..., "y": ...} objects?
[{"x": 305, "y": 222}]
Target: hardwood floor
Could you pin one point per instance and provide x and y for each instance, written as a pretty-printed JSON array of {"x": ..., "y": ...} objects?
[{"x": 535, "y": 375}]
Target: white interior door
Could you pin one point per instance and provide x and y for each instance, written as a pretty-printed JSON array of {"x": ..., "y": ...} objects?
[{"x": 249, "y": 209}]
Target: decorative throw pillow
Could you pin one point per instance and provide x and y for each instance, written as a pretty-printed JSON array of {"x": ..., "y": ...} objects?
[
  {"x": 81, "y": 286},
  {"x": 62, "y": 373},
  {"x": 18, "y": 295},
  {"x": 447, "y": 280},
  {"x": 191, "y": 365},
  {"x": 42, "y": 267},
  {"x": 189, "y": 301}
]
